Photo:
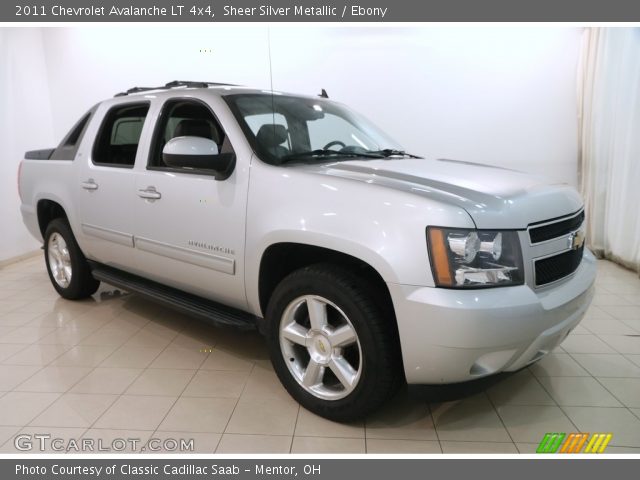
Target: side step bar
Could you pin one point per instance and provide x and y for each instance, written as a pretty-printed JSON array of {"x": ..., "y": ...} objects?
[{"x": 211, "y": 312}]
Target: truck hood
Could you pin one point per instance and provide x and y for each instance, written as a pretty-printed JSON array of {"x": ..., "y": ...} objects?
[{"x": 495, "y": 197}]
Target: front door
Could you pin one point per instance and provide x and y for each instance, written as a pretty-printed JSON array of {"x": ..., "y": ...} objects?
[{"x": 189, "y": 227}]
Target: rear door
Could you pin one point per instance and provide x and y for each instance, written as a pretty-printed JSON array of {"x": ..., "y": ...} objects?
[{"x": 107, "y": 186}]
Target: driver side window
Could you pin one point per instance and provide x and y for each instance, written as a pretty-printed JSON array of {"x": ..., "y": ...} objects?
[{"x": 185, "y": 118}]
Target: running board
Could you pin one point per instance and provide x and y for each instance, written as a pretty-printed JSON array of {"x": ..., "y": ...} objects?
[{"x": 211, "y": 312}]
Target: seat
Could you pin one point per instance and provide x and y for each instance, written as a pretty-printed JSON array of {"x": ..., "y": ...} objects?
[
  {"x": 194, "y": 127},
  {"x": 271, "y": 137}
]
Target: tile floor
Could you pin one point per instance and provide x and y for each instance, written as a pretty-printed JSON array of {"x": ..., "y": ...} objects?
[{"x": 120, "y": 367}]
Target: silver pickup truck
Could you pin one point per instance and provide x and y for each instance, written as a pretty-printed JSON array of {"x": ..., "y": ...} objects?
[{"x": 363, "y": 265}]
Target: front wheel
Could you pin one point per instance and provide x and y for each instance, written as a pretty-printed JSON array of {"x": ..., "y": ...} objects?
[
  {"x": 67, "y": 266},
  {"x": 330, "y": 343}
]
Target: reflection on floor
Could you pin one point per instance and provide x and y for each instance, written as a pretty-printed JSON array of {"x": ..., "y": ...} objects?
[{"x": 120, "y": 368}]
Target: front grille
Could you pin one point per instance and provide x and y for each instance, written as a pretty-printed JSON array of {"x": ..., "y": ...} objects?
[
  {"x": 554, "y": 268},
  {"x": 554, "y": 230}
]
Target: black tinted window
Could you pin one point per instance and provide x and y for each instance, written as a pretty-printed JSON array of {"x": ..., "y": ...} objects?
[
  {"x": 69, "y": 146},
  {"x": 284, "y": 128},
  {"x": 191, "y": 118},
  {"x": 117, "y": 141},
  {"x": 73, "y": 136}
]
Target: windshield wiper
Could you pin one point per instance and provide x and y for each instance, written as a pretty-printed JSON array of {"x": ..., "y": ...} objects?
[
  {"x": 390, "y": 152},
  {"x": 321, "y": 153}
]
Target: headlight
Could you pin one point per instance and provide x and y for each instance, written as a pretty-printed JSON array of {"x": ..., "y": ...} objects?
[{"x": 462, "y": 258}]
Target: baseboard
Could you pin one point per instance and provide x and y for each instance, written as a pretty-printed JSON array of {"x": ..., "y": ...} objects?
[{"x": 19, "y": 258}]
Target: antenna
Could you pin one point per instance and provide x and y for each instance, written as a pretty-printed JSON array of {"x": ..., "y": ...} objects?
[
  {"x": 323, "y": 94},
  {"x": 273, "y": 108},
  {"x": 270, "y": 65}
]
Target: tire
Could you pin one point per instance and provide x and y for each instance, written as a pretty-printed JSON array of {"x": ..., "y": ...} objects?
[
  {"x": 309, "y": 354},
  {"x": 67, "y": 266}
]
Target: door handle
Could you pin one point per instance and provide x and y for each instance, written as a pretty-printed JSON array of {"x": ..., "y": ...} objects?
[
  {"x": 150, "y": 193},
  {"x": 89, "y": 185}
]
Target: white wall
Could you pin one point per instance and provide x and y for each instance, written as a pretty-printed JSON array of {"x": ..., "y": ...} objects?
[
  {"x": 88, "y": 64},
  {"x": 25, "y": 124},
  {"x": 503, "y": 96},
  {"x": 500, "y": 95}
]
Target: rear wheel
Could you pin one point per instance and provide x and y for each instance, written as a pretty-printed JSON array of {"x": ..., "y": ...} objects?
[
  {"x": 330, "y": 343},
  {"x": 67, "y": 266}
]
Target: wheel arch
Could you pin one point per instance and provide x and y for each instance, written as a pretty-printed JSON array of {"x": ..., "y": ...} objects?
[
  {"x": 280, "y": 259},
  {"x": 48, "y": 210}
]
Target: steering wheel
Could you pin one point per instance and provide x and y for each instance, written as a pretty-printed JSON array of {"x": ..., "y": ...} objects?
[{"x": 334, "y": 143}]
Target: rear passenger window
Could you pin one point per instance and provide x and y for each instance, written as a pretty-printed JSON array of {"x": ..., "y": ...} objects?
[
  {"x": 126, "y": 131},
  {"x": 117, "y": 142}
]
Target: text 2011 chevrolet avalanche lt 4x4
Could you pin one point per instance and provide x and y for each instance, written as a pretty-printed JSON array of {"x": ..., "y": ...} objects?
[{"x": 363, "y": 266}]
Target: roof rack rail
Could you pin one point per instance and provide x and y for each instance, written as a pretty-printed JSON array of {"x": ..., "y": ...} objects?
[{"x": 174, "y": 84}]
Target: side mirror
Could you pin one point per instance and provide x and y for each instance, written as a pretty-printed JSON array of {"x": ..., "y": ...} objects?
[{"x": 197, "y": 153}]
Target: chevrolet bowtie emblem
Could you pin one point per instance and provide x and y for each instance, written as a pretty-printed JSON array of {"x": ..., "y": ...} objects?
[
  {"x": 576, "y": 239},
  {"x": 321, "y": 347}
]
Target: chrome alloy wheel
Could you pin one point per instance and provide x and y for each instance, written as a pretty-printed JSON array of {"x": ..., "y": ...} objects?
[
  {"x": 59, "y": 260},
  {"x": 320, "y": 347}
]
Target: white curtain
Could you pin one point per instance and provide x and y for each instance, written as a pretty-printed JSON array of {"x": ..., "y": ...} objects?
[{"x": 609, "y": 99}]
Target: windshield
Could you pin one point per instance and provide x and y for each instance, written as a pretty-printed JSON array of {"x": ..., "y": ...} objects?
[{"x": 283, "y": 128}]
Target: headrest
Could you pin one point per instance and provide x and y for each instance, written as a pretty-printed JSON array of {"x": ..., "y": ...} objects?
[
  {"x": 196, "y": 128},
  {"x": 271, "y": 135}
]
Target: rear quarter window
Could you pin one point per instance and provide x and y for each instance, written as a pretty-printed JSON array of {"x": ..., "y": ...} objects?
[{"x": 68, "y": 148}]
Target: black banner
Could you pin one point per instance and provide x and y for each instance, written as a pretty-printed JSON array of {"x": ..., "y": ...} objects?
[
  {"x": 319, "y": 11},
  {"x": 331, "y": 469}
]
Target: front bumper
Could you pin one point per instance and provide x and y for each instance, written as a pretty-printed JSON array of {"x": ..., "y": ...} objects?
[{"x": 450, "y": 336}]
